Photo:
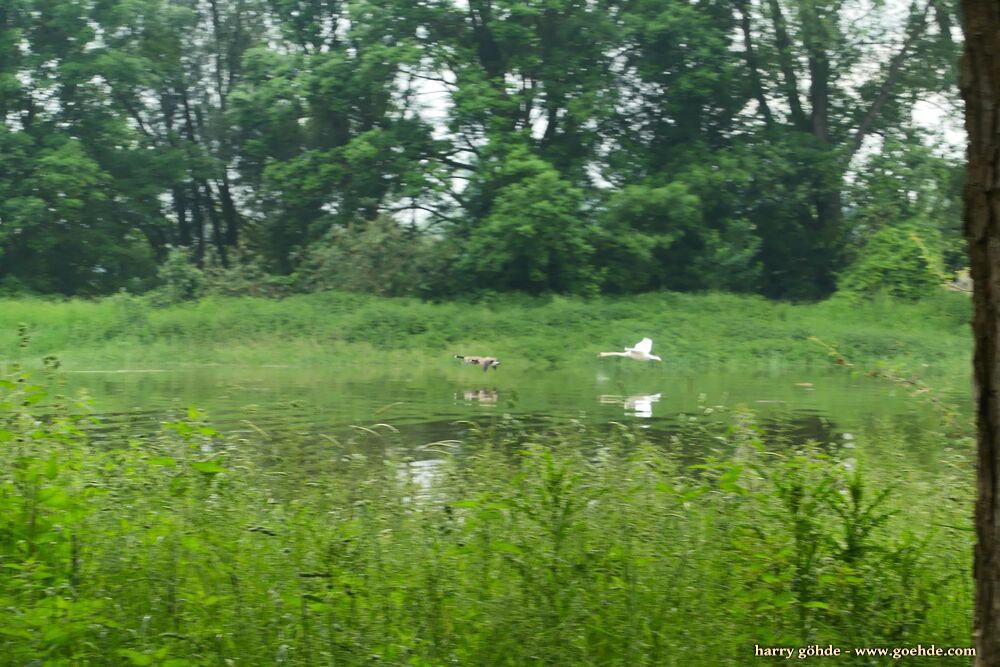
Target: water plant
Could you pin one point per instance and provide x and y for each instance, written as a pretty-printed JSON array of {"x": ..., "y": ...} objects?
[{"x": 561, "y": 544}]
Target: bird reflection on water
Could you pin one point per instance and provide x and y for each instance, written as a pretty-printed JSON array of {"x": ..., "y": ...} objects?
[
  {"x": 639, "y": 406},
  {"x": 480, "y": 395}
]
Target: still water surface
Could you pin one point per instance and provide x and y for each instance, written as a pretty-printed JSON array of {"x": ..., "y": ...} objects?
[{"x": 425, "y": 404}]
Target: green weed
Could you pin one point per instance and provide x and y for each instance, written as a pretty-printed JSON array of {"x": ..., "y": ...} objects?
[
  {"x": 341, "y": 328},
  {"x": 561, "y": 545}
]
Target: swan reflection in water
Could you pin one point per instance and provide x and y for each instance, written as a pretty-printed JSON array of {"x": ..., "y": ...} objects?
[
  {"x": 639, "y": 406},
  {"x": 480, "y": 395}
]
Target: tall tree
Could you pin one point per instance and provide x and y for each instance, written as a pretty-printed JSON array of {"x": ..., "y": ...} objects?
[
  {"x": 71, "y": 223},
  {"x": 668, "y": 144},
  {"x": 980, "y": 88},
  {"x": 327, "y": 134},
  {"x": 838, "y": 74},
  {"x": 520, "y": 75}
]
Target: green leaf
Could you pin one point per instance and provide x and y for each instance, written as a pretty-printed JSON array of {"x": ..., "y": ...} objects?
[
  {"x": 208, "y": 467},
  {"x": 168, "y": 461},
  {"x": 53, "y": 497},
  {"x": 507, "y": 547},
  {"x": 136, "y": 657},
  {"x": 52, "y": 467},
  {"x": 783, "y": 599}
]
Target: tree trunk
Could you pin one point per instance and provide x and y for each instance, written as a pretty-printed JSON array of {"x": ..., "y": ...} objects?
[
  {"x": 827, "y": 235},
  {"x": 199, "y": 226},
  {"x": 229, "y": 212},
  {"x": 750, "y": 55},
  {"x": 980, "y": 88},
  {"x": 786, "y": 61},
  {"x": 183, "y": 236},
  {"x": 213, "y": 217}
]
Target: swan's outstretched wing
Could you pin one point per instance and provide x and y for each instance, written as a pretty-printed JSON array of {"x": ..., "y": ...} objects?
[{"x": 645, "y": 346}]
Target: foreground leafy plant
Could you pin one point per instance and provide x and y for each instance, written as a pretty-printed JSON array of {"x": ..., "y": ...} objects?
[{"x": 558, "y": 545}]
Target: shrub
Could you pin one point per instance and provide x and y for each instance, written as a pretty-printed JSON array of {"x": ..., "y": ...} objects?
[
  {"x": 246, "y": 277},
  {"x": 180, "y": 279},
  {"x": 377, "y": 257},
  {"x": 898, "y": 261}
]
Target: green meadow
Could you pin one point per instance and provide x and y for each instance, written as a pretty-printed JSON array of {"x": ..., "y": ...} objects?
[{"x": 334, "y": 328}]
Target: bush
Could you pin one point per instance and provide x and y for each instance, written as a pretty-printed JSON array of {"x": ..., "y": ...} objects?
[
  {"x": 897, "y": 261},
  {"x": 376, "y": 257},
  {"x": 180, "y": 279},
  {"x": 246, "y": 277}
]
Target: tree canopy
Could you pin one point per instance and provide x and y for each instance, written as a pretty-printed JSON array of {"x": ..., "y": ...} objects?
[{"x": 572, "y": 146}]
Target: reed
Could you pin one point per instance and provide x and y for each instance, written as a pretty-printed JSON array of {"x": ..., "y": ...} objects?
[
  {"x": 560, "y": 545},
  {"x": 688, "y": 330}
]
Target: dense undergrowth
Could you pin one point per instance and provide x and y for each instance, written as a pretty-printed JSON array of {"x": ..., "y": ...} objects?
[
  {"x": 557, "y": 546},
  {"x": 331, "y": 327}
]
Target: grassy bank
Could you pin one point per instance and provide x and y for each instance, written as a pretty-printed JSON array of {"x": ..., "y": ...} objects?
[
  {"x": 559, "y": 546},
  {"x": 688, "y": 330}
]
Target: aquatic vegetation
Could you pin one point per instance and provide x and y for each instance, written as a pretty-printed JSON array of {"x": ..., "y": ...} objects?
[{"x": 558, "y": 545}]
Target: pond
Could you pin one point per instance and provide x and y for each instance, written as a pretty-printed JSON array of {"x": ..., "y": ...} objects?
[{"x": 428, "y": 404}]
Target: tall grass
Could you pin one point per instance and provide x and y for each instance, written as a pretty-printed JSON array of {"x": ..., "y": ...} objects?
[
  {"x": 688, "y": 330},
  {"x": 556, "y": 546}
]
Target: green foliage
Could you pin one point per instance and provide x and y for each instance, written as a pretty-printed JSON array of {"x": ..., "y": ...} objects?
[
  {"x": 180, "y": 279},
  {"x": 731, "y": 261},
  {"x": 60, "y": 233},
  {"x": 898, "y": 261},
  {"x": 660, "y": 238},
  {"x": 907, "y": 182},
  {"x": 690, "y": 331},
  {"x": 536, "y": 238},
  {"x": 642, "y": 224},
  {"x": 378, "y": 257},
  {"x": 244, "y": 276},
  {"x": 555, "y": 544},
  {"x": 547, "y": 146}
]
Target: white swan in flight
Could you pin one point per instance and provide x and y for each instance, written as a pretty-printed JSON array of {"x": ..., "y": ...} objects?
[{"x": 640, "y": 351}]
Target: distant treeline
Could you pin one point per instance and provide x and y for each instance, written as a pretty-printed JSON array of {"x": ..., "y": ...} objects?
[{"x": 437, "y": 148}]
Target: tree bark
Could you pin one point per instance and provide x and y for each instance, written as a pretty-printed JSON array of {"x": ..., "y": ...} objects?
[
  {"x": 816, "y": 40},
  {"x": 183, "y": 236},
  {"x": 786, "y": 61},
  {"x": 198, "y": 222},
  {"x": 750, "y": 55},
  {"x": 217, "y": 236},
  {"x": 918, "y": 26},
  {"x": 980, "y": 88},
  {"x": 229, "y": 213}
]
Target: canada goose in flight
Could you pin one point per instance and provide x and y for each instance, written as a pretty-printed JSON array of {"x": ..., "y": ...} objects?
[
  {"x": 640, "y": 351},
  {"x": 486, "y": 362}
]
